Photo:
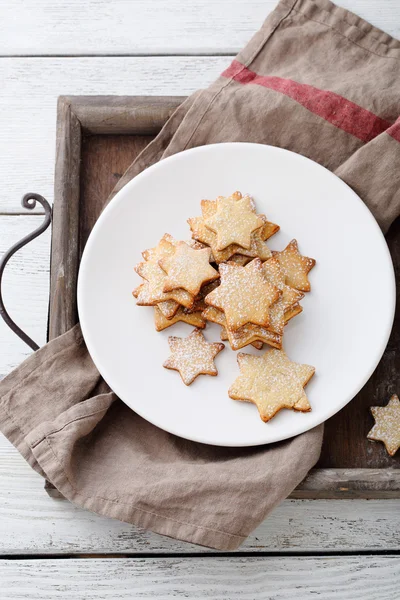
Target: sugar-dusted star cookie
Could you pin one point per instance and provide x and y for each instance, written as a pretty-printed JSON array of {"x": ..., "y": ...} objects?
[
  {"x": 217, "y": 316},
  {"x": 272, "y": 382},
  {"x": 387, "y": 425},
  {"x": 295, "y": 266},
  {"x": 185, "y": 315},
  {"x": 188, "y": 268},
  {"x": 234, "y": 221},
  {"x": 168, "y": 308},
  {"x": 274, "y": 274},
  {"x": 193, "y": 356},
  {"x": 244, "y": 295},
  {"x": 153, "y": 292},
  {"x": 202, "y": 233}
]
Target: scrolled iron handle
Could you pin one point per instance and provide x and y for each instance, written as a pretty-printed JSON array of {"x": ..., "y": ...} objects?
[{"x": 28, "y": 201}]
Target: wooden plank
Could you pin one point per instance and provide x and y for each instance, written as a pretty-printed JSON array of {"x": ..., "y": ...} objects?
[
  {"x": 251, "y": 578},
  {"x": 29, "y": 99},
  {"x": 26, "y": 288},
  {"x": 104, "y": 161},
  {"x": 32, "y": 523},
  {"x": 96, "y": 27},
  {"x": 130, "y": 115},
  {"x": 65, "y": 228}
]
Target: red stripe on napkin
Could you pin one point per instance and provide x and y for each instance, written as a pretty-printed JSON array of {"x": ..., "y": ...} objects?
[
  {"x": 335, "y": 109},
  {"x": 394, "y": 130}
]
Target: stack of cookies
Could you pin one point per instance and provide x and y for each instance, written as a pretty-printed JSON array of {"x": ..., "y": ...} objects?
[
  {"x": 259, "y": 290},
  {"x": 227, "y": 274},
  {"x": 177, "y": 277}
]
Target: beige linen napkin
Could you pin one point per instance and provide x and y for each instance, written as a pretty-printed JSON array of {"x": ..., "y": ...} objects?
[{"x": 317, "y": 80}]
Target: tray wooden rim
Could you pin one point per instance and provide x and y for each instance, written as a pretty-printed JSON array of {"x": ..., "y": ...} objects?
[{"x": 146, "y": 115}]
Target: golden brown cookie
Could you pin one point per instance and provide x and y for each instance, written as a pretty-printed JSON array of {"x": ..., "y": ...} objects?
[
  {"x": 234, "y": 221},
  {"x": 152, "y": 291},
  {"x": 183, "y": 314},
  {"x": 272, "y": 382},
  {"x": 293, "y": 312},
  {"x": 209, "y": 207},
  {"x": 257, "y": 249},
  {"x": 168, "y": 308},
  {"x": 193, "y": 356},
  {"x": 295, "y": 266},
  {"x": 248, "y": 334},
  {"x": 165, "y": 247},
  {"x": 199, "y": 302},
  {"x": 188, "y": 269},
  {"x": 217, "y": 316},
  {"x": 239, "y": 259},
  {"x": 244, "y": 295},
  {"x": 387, "y": 425},
  {"x": 274, "y": 274}
]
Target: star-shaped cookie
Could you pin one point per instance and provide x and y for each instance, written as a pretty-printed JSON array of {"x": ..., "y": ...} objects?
[
  {"x": 188, "y": 268},
  {"x": 295, "y": 266},
  {"x": 185, "y": 315},
  {"x": 387, "y": 425},
  {"x": 193, "y": 356},
  {"x": 272, "y": 382},
  {"x": 274, "y": 274},
  {"x": 153, "y": 290},
  {"x": 217, "y": 316},
  {"x": 233, "y": 222},
  {"x": 202, "y": 233},
  {"x": 151, "y": 293},
  {"x": 244, "y": 295}
]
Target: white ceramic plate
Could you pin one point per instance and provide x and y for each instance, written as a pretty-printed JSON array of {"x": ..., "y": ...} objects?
[{"x": 342, "y": 331}]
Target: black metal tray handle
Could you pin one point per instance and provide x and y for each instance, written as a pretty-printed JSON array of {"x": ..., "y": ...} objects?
[{"x": 29, "y": 202}]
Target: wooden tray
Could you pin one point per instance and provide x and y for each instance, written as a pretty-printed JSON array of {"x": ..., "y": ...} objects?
[{"x": 97, "y": 140}]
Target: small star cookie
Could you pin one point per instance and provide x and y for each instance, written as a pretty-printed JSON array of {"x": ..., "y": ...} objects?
[
  {"x": 387, "y": 425},
  {"x": 193, "y": 356},
  {"x": 188, "y": 268},
  {"x": 233, "y": 222},
  {"x": 272, "y": 382},
  {"x": 202, "y": 233},
  {"x": 244, "y": 295},
  {"x": 295, "y": 266}
]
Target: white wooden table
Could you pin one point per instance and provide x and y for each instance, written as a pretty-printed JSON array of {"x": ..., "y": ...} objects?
[{"x": 344, "y": 549}]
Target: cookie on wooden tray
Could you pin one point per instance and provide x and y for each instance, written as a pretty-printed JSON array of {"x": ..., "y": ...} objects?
[
  {"x": 188, "y": 269},
  {"x": 244, "y": 295},
  {"x": 295, "y": 266},
  {"x": 185, "y": 315},
  {"x": 234, "y": 221},
  {"x": 387, "y": 425},
  {"x": 193, "y": 356},
  {"x": 272, "y": 382}
]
